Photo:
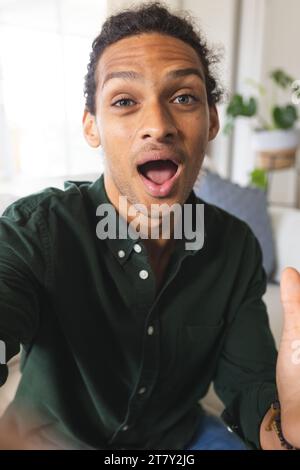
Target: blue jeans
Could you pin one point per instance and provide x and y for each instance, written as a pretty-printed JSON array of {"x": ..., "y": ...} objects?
[{"x": 212, "y": 434}]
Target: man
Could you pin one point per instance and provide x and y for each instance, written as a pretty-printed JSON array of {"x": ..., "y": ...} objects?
[{"x": 122, "y": 336}]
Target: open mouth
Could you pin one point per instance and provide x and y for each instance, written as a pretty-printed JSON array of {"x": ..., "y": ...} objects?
[
  {"x": 158, "y": 171},
  {"x": 160, "y": 176}
]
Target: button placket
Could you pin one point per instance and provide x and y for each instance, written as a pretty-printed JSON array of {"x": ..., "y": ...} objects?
[
  {"x": 150, "y": 330},
  {"x": 137, "y": 248},
  {"x": 143, "y": 274},
  {"x": 121, "y": 253}
]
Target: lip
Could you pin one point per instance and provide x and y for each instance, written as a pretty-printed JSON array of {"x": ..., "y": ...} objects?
[
  {"x": 161, "y": 190},
  {"x": 158, "y": 155}
]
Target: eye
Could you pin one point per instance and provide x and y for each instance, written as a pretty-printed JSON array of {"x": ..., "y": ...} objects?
[
  {"x": 186, "y": 99},
  {"x": 123, "y": 102}
]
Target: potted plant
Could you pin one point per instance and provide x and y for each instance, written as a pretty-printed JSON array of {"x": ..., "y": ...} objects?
[{"x": 275, "y": 137}]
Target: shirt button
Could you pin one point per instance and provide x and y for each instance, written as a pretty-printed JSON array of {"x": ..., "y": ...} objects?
[
  {"x": 121, "y": 253},
  {"x": 125, "y": 428},
  {"x": 143, "y": 274},
  {"x": 142, "y": 390},
  {"x": 150, "y": 330},
  {"x": 137, "y": 248}
]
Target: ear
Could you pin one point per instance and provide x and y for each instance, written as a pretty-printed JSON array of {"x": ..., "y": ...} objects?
[
  {"x": 214, "y": 124},
  {"x": 90, "y": 129}
]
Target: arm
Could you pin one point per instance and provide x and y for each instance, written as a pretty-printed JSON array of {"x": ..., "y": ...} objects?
[
  {"x": 21, "y": 275},
  {"x": 245, "y": 378}
]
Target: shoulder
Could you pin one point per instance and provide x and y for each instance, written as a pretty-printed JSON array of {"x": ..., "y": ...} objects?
[
  {"x": 231, "y": 241},
  {"x": 39, "y": 204}
]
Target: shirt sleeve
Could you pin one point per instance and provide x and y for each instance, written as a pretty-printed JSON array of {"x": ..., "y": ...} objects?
[
  {"x": 245, "y": 379},
  {"x": 22, "y": 272}
]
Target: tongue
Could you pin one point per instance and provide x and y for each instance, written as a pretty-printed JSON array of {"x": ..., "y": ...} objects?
[{"x": 159, "y": 171}]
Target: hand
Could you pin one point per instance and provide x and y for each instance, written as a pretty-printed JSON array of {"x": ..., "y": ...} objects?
[{"x": 288, "y": 363}]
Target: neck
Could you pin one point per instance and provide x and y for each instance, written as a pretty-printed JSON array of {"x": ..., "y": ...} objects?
[{"x": 157, "y": 237}]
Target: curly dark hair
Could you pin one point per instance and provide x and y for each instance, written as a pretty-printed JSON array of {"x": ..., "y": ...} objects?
[{"x": 148, "y": 18}]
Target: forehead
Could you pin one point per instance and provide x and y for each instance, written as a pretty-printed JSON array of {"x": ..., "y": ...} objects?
[{"x": 149, "y": 54}]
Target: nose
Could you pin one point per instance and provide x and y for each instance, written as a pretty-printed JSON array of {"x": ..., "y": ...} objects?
[{"x": 157, "y": 123}]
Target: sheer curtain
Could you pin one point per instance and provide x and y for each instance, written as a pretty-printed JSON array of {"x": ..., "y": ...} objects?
[{"x": 45, "y": 46}]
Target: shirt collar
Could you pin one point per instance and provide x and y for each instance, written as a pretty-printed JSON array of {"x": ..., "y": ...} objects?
[
  {"x": 118, "y": 245},
  {"x": 99, "y": 196}
]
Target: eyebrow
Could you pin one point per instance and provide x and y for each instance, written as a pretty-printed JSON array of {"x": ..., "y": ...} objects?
[{"x": 173, "y": 74}]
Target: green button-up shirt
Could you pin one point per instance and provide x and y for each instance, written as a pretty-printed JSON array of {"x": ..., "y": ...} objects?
[{"x": 110, "y": 363}]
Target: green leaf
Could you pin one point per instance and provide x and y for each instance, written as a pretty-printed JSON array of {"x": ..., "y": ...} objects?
[
  {"x": 258, "y": 178},
  {"x": 281, "y": 78},
  {"x": 239, "y": 106},
  {"x": 285, "y": 116}
]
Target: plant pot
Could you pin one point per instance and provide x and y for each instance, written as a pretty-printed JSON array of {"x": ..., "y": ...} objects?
[{"x": 276, "y": 149}]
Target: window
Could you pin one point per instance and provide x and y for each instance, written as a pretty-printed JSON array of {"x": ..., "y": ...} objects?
[{"x": 45, "y": 47}]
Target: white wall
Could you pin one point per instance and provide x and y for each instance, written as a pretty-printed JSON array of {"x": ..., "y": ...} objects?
[{"x": 249, "y": 65}]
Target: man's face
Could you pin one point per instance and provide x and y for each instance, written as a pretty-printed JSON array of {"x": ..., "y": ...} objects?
[{"x": 153, "y": 121}]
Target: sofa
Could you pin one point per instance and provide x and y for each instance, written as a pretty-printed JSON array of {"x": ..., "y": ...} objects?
[{"x": 286, "y": 231}]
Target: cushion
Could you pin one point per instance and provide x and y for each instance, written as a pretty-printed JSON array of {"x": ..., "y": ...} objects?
[
  {"x": 247, "y": 203},
  {"x": 286, "y": 226}
]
